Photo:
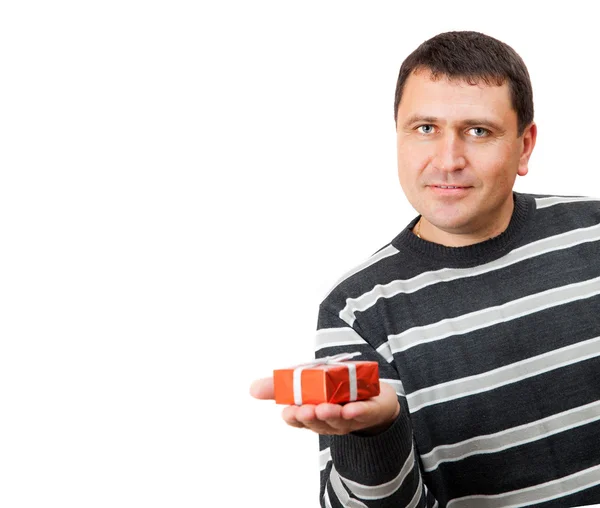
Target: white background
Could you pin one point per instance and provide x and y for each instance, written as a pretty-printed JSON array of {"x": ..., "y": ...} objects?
[{"x": 180, "y": 185}]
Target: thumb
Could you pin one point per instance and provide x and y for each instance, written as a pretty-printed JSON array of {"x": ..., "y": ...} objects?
[{"x": 263, "y": 389}]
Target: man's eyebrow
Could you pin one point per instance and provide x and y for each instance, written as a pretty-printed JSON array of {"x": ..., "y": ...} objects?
[
  {"x": 486, "y": 122},
  {"x": 419, "y": 118}
]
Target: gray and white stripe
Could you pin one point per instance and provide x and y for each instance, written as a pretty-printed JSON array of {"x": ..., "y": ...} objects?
[
  {"x": 505, "y": 375},
  {"x": 516, "y": 436},
  {"x": 324, "y": 458},
  {"x": 369, "y": 492},
  {"x": 408, "y": 286},
  {"x": 346, "y": 336},
  {"x": 396, "y": 384},
  {"x": 332, "y": 337},
  {"x": 388, "y": 251},
  {"x": 494, "y": 315},
  {"x": 541, "y": 493},
  {"x": 326, "y": 499},
  {"x": 341, "y": 493},
  {"x": 418, "y": 495},
  {"x": 385, "y": 351},
  {"x": 425, "y": 493},
  {"x": 556, "y": 200}
]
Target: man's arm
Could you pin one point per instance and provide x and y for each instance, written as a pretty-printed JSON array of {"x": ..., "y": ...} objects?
[{"x": 367, "y": 453}]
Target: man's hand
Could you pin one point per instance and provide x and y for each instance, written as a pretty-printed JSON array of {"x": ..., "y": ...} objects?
[{"x": 371, "y": 416}]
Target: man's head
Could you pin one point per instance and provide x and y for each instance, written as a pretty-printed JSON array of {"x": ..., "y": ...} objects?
[
  {"x": 464, "y": 123},
  {"x": 474, "y": 58}
]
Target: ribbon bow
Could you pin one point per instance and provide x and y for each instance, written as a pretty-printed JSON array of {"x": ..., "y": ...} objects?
[{"x": 327, "y": 360}]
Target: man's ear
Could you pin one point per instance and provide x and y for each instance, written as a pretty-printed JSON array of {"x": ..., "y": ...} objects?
[{"x": 529, "y": 138}]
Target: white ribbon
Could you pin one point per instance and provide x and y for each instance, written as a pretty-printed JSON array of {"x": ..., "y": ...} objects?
[{"x": 328, "y": 360}]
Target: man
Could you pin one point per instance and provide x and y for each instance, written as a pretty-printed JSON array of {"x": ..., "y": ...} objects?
[{"x": 483, "y": 313}]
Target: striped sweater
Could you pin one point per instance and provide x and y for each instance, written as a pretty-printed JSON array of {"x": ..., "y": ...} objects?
[{"x": 494, "y": 352}]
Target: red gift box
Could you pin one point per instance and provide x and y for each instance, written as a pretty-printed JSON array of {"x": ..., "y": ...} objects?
[{"x": 333, "y": 379}]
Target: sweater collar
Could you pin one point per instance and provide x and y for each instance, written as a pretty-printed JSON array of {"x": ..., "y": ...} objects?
[{"x": 471, "y": 254}]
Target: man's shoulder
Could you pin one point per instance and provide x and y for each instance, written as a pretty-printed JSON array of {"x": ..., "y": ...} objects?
[
  {"x": 377, "y": 269},
  {"x": 583, "y": 206},
  {"x": 547, "y": 200}
]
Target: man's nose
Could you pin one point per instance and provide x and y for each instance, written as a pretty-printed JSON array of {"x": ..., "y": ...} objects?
[{"x": 450, "y": 155}]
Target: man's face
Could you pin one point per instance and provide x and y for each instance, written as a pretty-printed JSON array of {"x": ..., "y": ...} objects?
[{"x": 458, "y": 157}]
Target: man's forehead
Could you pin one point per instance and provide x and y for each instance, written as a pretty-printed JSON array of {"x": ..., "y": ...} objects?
[
  {"x": 426, "y": 94},
  {"x": 459, "y": 80}
]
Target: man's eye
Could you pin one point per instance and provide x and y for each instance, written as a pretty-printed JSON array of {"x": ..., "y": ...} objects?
[
  {"x": 479, "y": 132},
  {"x": 425, "y": 129}
]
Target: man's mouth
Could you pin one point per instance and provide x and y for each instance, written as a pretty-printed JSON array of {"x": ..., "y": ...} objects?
[{"x": 450, "y": 190}]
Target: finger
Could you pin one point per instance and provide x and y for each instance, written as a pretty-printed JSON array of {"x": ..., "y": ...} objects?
[
  {"x": 331, "y": 416},
  {"x": 328, "y": 412},
  {"x": 379, "y": 411},
  {"x": 307, "y": 419},
  {"x": 328, "y": 419},
  {"x": 361, "y": 411},
  {"x": 290, "y": 416},
  {"x": 296, "y": 424},
  {"x": 263, "y": 389},
  {"x": 306, "y": 416}
]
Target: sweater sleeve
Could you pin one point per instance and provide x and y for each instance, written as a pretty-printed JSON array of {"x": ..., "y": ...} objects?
[{"x": 368, "y": 471}]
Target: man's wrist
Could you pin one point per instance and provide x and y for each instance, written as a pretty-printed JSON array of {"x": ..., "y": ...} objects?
[{"x": 378, "y": 429}]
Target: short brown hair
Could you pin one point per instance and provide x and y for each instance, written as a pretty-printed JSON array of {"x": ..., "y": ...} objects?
[{"x": 475, "y": 58}]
